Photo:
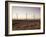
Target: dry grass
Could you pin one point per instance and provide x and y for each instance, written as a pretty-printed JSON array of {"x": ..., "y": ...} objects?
[{"x": 25, "y": 24}]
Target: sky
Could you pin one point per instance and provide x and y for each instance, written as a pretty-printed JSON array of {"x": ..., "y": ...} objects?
[{"x": 21, "y": 12}]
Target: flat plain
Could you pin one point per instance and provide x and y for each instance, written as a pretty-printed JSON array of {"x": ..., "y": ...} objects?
[{"x": 25, "y": 24}]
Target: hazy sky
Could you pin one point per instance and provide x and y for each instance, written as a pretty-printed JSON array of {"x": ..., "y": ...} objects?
[{"x": 20, "y": 12}]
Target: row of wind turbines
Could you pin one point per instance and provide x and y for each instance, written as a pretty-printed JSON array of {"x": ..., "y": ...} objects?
[{"x": 33, "y": 15}]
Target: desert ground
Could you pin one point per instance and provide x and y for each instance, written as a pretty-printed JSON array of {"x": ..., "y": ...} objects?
[{"x": 25, "y": 24}]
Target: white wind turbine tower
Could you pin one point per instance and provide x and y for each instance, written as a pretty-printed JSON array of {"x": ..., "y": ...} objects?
[
  {"x": 33, "y": 15},
  {"x": 16, "y": 16},
  {"x": 26, "y": 15},
  {"x": 29, "y": 15}
]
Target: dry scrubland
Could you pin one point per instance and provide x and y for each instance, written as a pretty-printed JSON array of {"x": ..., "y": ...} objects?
[{"x": 25, "y": 24}]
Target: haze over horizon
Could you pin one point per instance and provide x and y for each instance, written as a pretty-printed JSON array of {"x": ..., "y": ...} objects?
[{"x": 25, "y": 12}]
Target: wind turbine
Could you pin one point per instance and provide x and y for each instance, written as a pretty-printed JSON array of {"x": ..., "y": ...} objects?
[
  {"x": 26, "y": 15},
  {"x": 17, "y": 16}
]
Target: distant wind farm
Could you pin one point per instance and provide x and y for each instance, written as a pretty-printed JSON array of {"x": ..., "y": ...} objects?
[{"x": 25, "y": 18}]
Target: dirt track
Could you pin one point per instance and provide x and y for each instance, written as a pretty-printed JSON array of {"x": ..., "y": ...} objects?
[{"x": 25, "y": 24}]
